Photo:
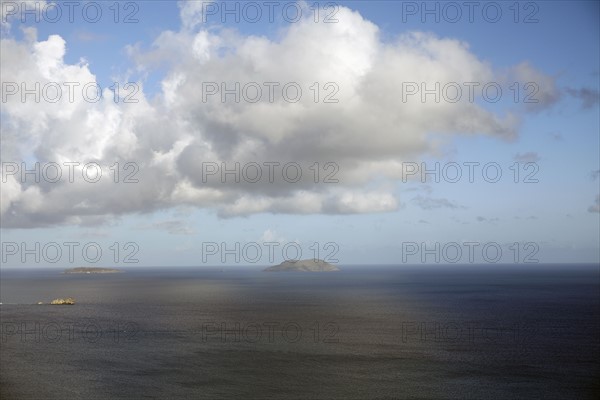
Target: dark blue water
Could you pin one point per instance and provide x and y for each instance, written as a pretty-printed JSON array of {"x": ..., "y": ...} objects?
[{"x": 475, "y": 332}]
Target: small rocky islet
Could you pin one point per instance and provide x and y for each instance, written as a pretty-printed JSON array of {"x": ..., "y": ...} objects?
[
  {"x": 308, "y": 265},
  {"x": 91, "y": 270},
  {"x": 66, "y": 301},
  {"x": 60, "y": 302}
]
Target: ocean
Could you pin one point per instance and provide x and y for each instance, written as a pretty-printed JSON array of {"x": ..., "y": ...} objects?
[{"x": 366, "y": 332}]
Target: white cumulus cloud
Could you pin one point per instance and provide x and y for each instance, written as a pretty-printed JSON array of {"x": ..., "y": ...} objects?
[{"x": 170, "y": 135}]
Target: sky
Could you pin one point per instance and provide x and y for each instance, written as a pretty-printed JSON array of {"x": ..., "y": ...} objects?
[{"x": 239, "y": 133}]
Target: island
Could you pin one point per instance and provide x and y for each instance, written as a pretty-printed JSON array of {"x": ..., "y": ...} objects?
[
  {"x": 91, "y": 270},
  {"x": 309, "y": 265},
  {"x": 67, "y": 301}
]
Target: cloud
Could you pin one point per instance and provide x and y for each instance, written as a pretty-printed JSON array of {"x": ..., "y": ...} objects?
[
  {"x": 11, "y": 10},
  {"x": 588, "y": 97},
  {"x": 484, "y": 219},
  {"x": 174, "y": 227},
  {"x": 86, "y": 36},
  {"x": 95, "y": 234},
  {"x": 428, "y": 203},
  {"x": 538, "y": 91},
  {"x": 170, "y": 135},
  {"x": 270, "y": 235},
  {"x": 422, "y": 187},
  {"x": 595, "y": 208},
  {"x": 529, "y": 157}
]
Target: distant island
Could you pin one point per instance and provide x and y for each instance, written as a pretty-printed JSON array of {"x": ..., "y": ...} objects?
[
  {"x": 91, "y": 270},
  {"x": 60, "y": 302},
  {"x": 309, "y": 265}
]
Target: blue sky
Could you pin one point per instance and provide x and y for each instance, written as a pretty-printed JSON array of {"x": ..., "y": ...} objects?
[{"x": 169, "y": 214}]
